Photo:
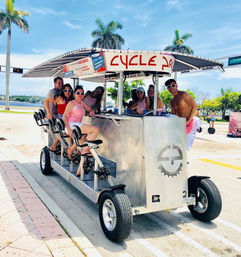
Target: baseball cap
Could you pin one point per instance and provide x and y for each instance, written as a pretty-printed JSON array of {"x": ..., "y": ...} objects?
[{"x": 141, "y": 89}]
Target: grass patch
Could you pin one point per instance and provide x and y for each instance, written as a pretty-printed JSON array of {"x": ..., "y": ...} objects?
[{"x": 5, "y": 111}]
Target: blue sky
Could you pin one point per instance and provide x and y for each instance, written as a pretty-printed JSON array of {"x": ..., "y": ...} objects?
[{"x": 58, "y": 26}]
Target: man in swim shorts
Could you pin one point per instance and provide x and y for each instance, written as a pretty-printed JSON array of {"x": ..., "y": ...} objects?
[{"x": 182, "y": 104}]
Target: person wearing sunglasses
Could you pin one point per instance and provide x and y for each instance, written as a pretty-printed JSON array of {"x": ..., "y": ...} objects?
[
  {"x": 73, "y": 115},
  {"x": 182, "y": 105},
  {"x": 61, "y": 101},
  {"x": 93, "y": 99},
  {"x": 140, "y": 105},
  {"x": 150, "y": 99}
]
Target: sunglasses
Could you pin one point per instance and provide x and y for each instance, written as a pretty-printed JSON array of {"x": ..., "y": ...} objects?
[
  {"x": 150, "y": 90},
  {"x": 169, "y": 86},
  {"x": 139, "y": 92},
  {"x": 79, "y": 93},
  {"x": 67, "y": 90}
]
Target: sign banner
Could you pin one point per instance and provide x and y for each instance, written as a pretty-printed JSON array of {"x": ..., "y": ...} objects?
[
  {"x": 118, "y": 61},
  {"x": 146, "y": 61},
  {"x": 85, "y": 66}
]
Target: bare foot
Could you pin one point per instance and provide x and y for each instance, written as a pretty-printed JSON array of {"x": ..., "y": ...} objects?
[
  {"x": 78, "y": 173},
  {"x": 52, "y": 149},
  {"x": 86, "y": 150}
]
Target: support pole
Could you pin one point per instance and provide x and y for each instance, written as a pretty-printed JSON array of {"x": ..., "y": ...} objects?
[
  {"x": 104, "y": 101},
  {"x": 120, "y": 93},
  {"x": 156, "y": 84}
]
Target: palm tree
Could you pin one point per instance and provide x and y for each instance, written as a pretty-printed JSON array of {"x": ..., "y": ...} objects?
[
  {"x": 178, "y": 44},
  {"x": 106, "y": 36},
  {"x": 7, "y": 17}
]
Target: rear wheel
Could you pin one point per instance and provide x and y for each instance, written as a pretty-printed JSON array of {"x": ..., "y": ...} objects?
[
  {"x": 45, "y": 163},
  {"x": 208, "y": 201},
  {"x": 115, "y": 215}
]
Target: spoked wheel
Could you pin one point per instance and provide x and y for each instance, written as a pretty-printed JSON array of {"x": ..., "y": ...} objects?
[
  {"x": 211, "y": 130},
  {"x": 45, "y": 164},
  {"x": 208, "y": 201},
  {"x": 115, "y": 215}
]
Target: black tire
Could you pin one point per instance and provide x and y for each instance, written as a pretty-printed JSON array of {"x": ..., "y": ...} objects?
[
  {"x": 211, "y": 130},
  {"x": 118, "y": 227},
  {"x": 199, "y": 130},
  {"x": 208, "y": 201},
  {"x": 45, "y": 164}
]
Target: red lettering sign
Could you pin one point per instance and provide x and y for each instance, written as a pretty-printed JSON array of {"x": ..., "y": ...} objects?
[
  {"x": 111, "y": 62},
  {"x": 152, "y": 61},
  {"x": 133, "y": 61}
]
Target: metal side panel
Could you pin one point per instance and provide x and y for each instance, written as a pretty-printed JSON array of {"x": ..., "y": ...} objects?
[
  {"x": 123, "y": 144},
  {"x": 85, "y": 189},
  {"x": 165, "y": 154}
]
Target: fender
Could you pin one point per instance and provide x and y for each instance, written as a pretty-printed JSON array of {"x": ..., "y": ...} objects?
[
  {"x": 112, "y": 189},
  {"x": 193, "y": 184}
]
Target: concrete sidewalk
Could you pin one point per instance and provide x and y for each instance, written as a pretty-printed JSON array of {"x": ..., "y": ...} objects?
[{"x": 27, "y": 228}]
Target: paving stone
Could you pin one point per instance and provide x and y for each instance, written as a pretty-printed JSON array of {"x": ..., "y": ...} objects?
[
  {"x": 66, "y": 252},
  {"x": 27, "y": 242},
  {"x": 60, "y": 242},
  {"x": 13, "y": 252}
]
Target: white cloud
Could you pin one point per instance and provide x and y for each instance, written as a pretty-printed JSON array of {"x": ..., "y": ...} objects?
[
  {"x": 147, "y": 2},
  {"x": 231, "y": 73},
  {"x": 30, "y": 60},
  {"x": 72, "y": 26},
  {"x": 174, "y": 4},
  {"x": 47, "y": 11}
]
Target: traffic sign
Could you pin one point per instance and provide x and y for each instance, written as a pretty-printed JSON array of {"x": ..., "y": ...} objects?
[{"x": 234, "y": 60}]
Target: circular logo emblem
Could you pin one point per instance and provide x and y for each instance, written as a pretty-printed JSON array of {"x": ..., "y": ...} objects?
[{"x": 170, "y": 158}]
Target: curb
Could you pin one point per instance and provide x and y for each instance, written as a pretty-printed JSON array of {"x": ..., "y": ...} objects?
[{"x": 74, "y": 232}]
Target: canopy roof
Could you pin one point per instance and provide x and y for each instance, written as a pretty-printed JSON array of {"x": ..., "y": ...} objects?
[{"x": 54, "y": 67}]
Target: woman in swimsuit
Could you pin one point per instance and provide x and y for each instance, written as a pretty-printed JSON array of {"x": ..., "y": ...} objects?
[{"x": 73, "y": 115}]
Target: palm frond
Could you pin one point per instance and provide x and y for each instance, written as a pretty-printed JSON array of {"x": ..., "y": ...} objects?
[
  {"x": 22, "y": 23},
  {"x": 9, "y": 6},
  {"x": 177, "y": 36},
  {"x": 96, "y": 33},
  {"x": 169, "y": 48},
  {"x": 100, "y": 24},
  {"x": 22, "y": 13},
  {"x": 186, "y": 36},
  {"x": 186, "y": 49}
]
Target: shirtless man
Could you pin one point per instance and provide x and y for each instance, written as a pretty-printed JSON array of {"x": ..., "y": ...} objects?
[{"x": 183, "y": 105}]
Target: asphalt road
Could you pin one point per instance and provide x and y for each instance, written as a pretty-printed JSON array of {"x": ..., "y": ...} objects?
[{"x": 174, "y": 233}]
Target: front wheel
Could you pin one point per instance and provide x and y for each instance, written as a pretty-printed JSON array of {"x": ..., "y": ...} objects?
[
  {"x": 45, "y": 164},
  {"x": 211, "y": 130},
  {"x": 208, "y": 201},
  {"x": 115, "y": 215}
]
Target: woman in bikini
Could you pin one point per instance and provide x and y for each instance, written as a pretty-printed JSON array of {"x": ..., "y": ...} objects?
[
  {"x": 73, "y": 115},
  {"x": 66, "y": 95}
]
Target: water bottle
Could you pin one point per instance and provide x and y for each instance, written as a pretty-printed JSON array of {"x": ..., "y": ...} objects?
[{"x": 163, "y": 112}]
